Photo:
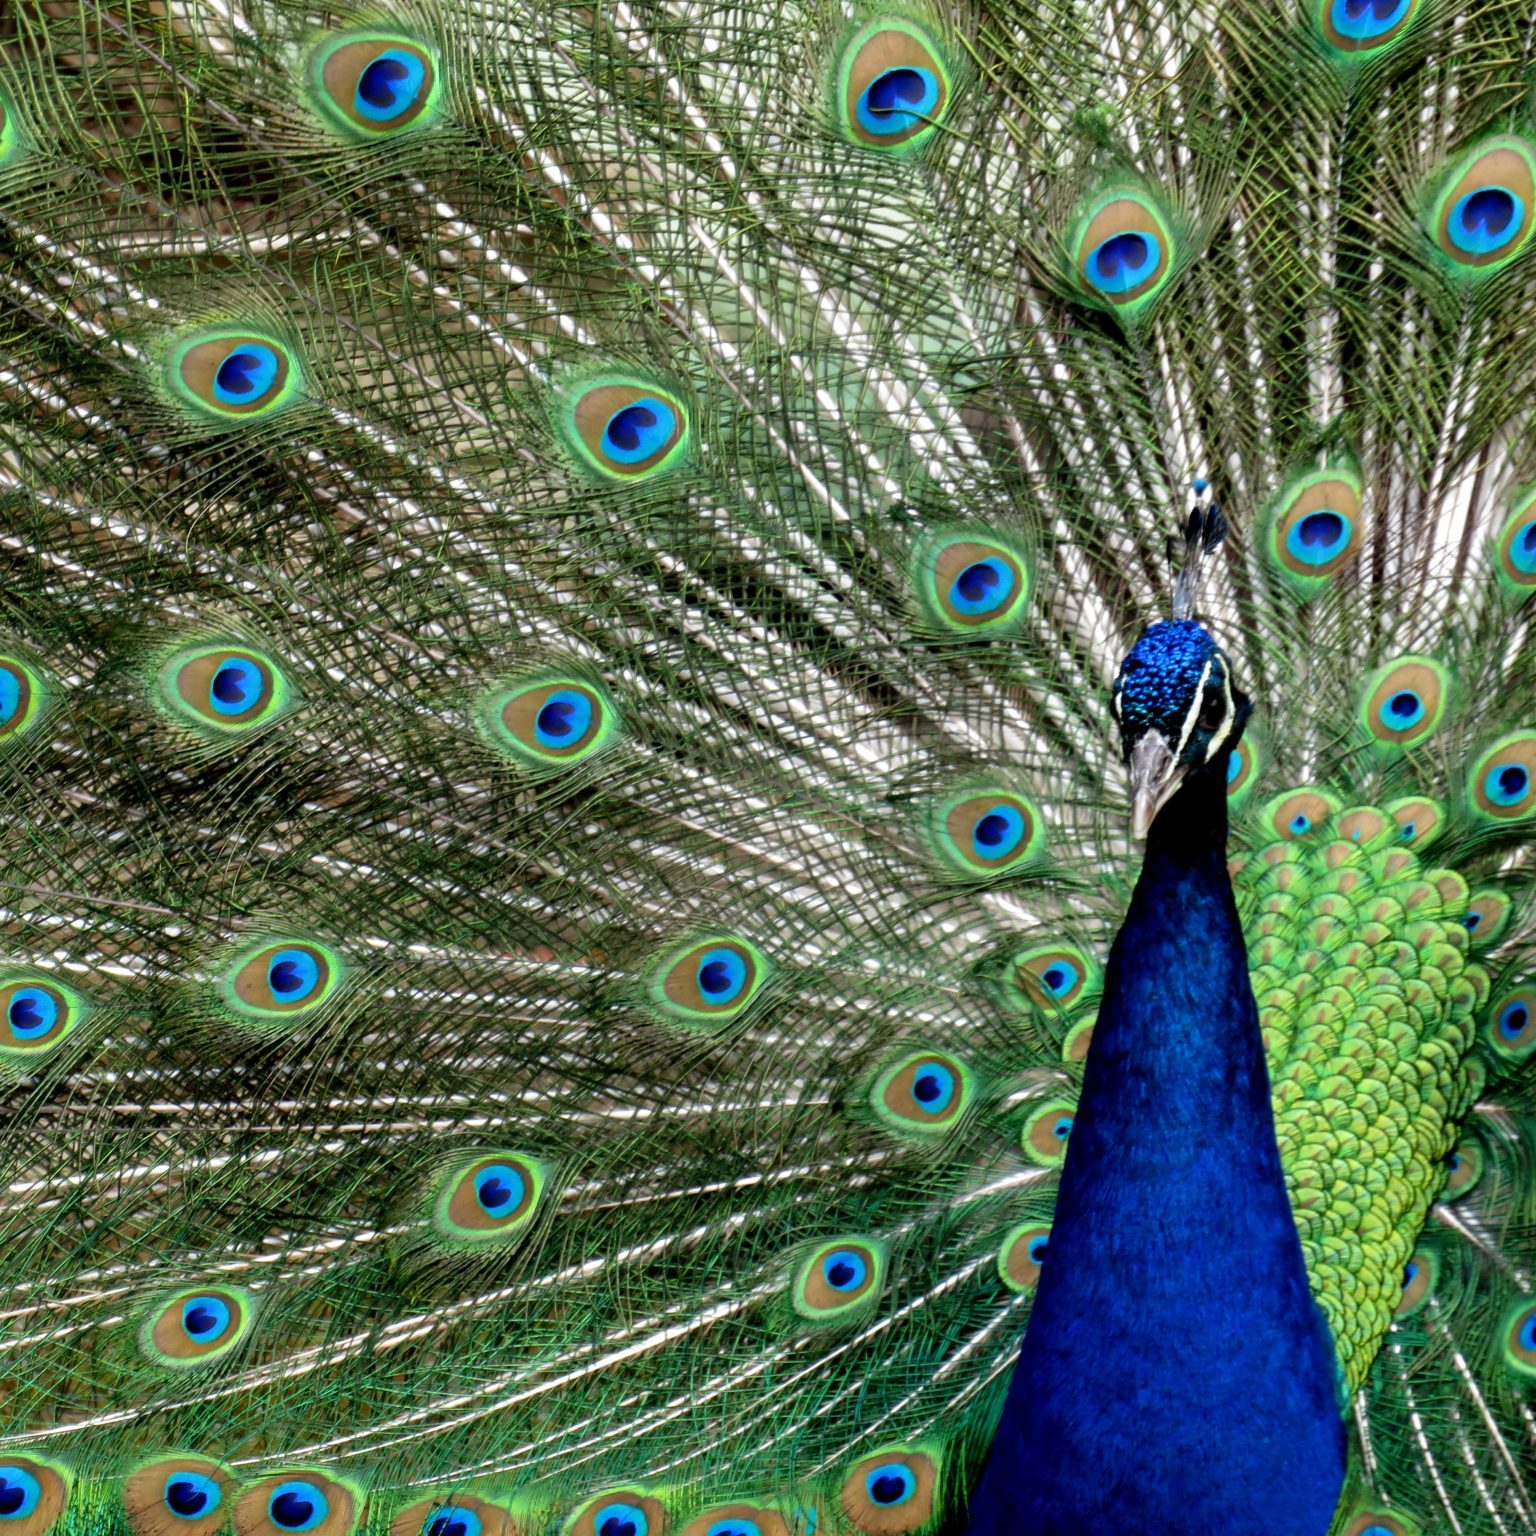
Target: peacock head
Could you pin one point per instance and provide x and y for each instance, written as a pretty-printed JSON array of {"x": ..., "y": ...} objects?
[
  {"x": 1174, "y": 699},
  {"x": 1177, "y": 710}
]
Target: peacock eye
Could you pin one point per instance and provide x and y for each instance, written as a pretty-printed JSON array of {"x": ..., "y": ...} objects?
[{"x": 1212, "y": 711}]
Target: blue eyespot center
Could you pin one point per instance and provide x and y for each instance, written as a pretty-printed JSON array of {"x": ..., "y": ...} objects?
[
  {"x": 621, "y": 1520},
  {"x": 1513, "y": 1019},
  {"x": 1062, "y": 1128},
  {"x": 1124, "y": 261},
  {"x": 564, "y": 719},
  {"x": 998, "y": 833},
  {"x": 235, "y": 686},
  {"x": 389, "y": 86},
  {"x": 1059, "y": 977},
  {"x": 1402, "y": 709},
  {"x": 1301, "y": 823},
  {"x": 898, "y": 100},
  {"x": 1037, "y": 1247},
  {"x": 1472, "y": 921},
  {"x": 639, "y": 430},
  {"x": 1363, "y": 20},
  {"x": 10, "y": 693},
  {"x": 722, "y": 975},
  {"x": 1318, "y": 537},
  {"x": 292, "y": 974},
  {"x": 1522, "y": 549},
  {"x": 32, "y": 1012},
  {"x": 20, "y": 1493},
  {"x": 1234, "y": 764},
  {"x": 1410, "y": 1274},
  {"x": 890, "y": 1485},
  {"x": 500, "y": 1189},
  {"x": 205, "y": 1317},
  {"x": 448, "y": 1521},
  {"x": 191, "y": 1494},
  {"x": 982, "y": 587},
  {"x": 734, "y": 1527},
  {"x": 933, "y": 1088},
  {"x": 1485, "y": 219},
  {"x": 297, "y": 1506},
  {"x": 1507, "y": 783},
  {"x": 1527, "y": 1335},
  {"x": 844, "y": 1270},
  {"x": 245, "y": 375},
  {"x": 1408, "y": 833}
]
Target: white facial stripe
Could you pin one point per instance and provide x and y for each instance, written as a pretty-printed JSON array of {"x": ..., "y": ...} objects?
[
  {"x": 1227, "y": 723},
  {"x": 1194, "y": 709}
]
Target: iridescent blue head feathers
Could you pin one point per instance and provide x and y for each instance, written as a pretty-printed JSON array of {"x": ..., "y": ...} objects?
[{"x": 1174, "y": 698}]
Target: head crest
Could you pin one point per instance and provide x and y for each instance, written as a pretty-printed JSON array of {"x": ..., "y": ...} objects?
[{"x": 1204, "y": 530}]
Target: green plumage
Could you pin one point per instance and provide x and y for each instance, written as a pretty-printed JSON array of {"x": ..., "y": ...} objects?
[{"x": 558, "y": 610}]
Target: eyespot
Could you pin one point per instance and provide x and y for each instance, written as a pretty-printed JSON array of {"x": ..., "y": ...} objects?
[
  {"x": 1483, "y": 216},
  {"x": 458, "y": 1514},
  {"x": 839, "y": 1280},
  {"x": 622, "y": 1512},
  {"x": 1299, "y": 813},
  {"x": 1520, "y": 1338},
  {"x": 551, "y": 722},
  {"x": 22, "y": 695},
  {"x": 194, "y": 1328},
  {"x": 1314, "y": 528},
  {"x": 177, "y": 1496},
  {"x": 1487, "y": 916},
  {"x": 1515, "y": 548},
  {"x": 1362, "y": 825},
  {"x": 1405, "y": 701},
  {"x": 1054, "y": 977},
  {"x": 1046, "y": 1131},
  {"x": 233, "y": 374},
  {"x": 738, "y": 1520},
  {"x": 375, "y": 84},
  {"x": 1419, "y": 1276},
  {"x": 1022, "y": 1254},
  {"x": 35, "y": 1017},
  {"x": 711, "y": 981},
  {"x": 986, "y": 833},
  {"x": 297, "y": 1502},
  {"x": 1512, "y": 1023},
  {"x": 224, "y": 690},
  {"x": 968, "y": 584},
  {"x": 1356, "y": 27},
  {"x": 1463, "y": 1170},
  {"x": 33, "y": 1495},
  {"x": 282, "y": 980},
  {"x": 626, "y": 428},
  {"x": 1122, "y": 250},
  {"x": 890, "y": 1492},
  {"x": 927, "y": 1092},
  {"x": 1418, "y": 820},
  {"x": 489, "y": 1199},
  {"x": 1377, "y": 1522},
  {"x": 1503, "y": 780},
  {"x": 1242, "y": 769},
  {"x": 893, "y": 87}
]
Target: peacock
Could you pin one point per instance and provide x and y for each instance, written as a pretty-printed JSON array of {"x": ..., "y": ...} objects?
[{"x": 769, "y": 768}]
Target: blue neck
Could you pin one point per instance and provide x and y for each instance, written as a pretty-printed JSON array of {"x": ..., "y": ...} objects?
[{"x": 1176, "y": 1375}]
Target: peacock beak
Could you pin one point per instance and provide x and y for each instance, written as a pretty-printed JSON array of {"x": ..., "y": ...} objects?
[{"x": 1155, "y": 775}]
